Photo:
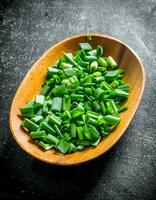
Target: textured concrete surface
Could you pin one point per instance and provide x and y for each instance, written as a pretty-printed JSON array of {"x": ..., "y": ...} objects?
[{"x": 27, "y": 29}]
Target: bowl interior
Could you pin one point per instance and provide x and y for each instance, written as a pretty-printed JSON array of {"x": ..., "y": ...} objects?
[{"x": 31, "y": 85}]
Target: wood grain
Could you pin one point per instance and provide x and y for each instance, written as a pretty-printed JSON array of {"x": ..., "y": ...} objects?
[{"x": 31, "y": 85}]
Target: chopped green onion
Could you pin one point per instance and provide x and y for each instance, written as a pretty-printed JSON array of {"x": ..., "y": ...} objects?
[{"x": 79, "y": 103}]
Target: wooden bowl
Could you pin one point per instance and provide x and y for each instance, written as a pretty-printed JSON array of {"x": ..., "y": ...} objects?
[{"x": 31, "y": 85}]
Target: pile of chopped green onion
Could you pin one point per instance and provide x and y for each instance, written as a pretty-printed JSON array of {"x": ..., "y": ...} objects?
[{"x": 79, "y": 103}]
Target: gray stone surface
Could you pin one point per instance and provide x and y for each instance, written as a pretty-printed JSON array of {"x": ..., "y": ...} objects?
[{"x": 27, "y": 29}]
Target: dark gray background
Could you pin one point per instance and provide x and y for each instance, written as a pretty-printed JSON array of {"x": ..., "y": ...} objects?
[{"x": 27, "y": 29}]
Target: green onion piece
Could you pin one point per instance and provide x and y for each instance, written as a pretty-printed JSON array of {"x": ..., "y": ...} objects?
[
  {"x": 111, "y": 107},
  {"x": 56, "y": 104},
  {"x": 92, "y": 133},
  {"x": 56, "y": 78},
  {"x": 39, "y": 100},
  {"x": 93, "y": 66},
  {"x": 99, "y": 93},
  {"x": 96, "y": 106},
  {"x": 68, "y": 114},
  {"x": 93, "y": 114},
  {"x": 58, "y": 131},
  {"x": 50, "y": 82},
  {"x": 95, "y": 143},
  {"x": 63, "y": 146},
  {"x": 30, "y": 125},
  {"x": 114, "y": 84},
  {"x": 89, "y": 84},
  {"x": 66, "y": 137},
  {"x": 104, "y": 85},
  {"x": 45, "y": 90},
  {"x": 45, "y": 146},
  {"x": 77, "y": 58},
  {"x": 99, "y": 79},
  {"x": 124, "y": 87},
  {"x": 79, "y": 131},
  {"x": 87, "y": 79},
  {"x": 83, "y": 142},
  {"x": 77, "y": 112},
  {"x": 52, "y": 71},
  {"x": 93, "y": 52},
  {"x": 93, "y": 121},
  {"x": 83, "y": 63},
  {"x": 85, "y": 46},
  {"x": 99, "y": 50},
  {"x": 90, "y": 58},
  {"x": 45, "y": 126},
  {"x": 37, "y": 119},
  {"x": 112, "y": 62},
  {"x": 121, "y": 93},
  {"x": 66, "y": 66},
  {"x": 82, "y": 54},
  {"x": 123, "y": 108},
  {"x": 39, "y": 111},
  {"x": 27, "y": 111},
  {"x": 97, "y": 74},
  {"x": 101, "y": 69},
  {"x": 52, "y": 139},
  {"x": 53, "y": 119},
  {"x": 60, "y": 90},
  {"x": 102, "y": 105},
  {"x": 77, "y": 97},
  {"x": 45, "y": 107},
  {"x": 111, "y": 120},
  {"x": 80, "y": 147},
  {"x": 72, "y": 61},
  {"x": 69, "y": 72},
  {"x": 38, "y": 134},
  {"x": 102, "y": 62},
  {"x": 72, "y": 148},
  {"x": 111, "y": 75},
  {"x": 88, "y": 91},
  {"x": 66, "y": 103},
  {"x": 73, "y": 130}
]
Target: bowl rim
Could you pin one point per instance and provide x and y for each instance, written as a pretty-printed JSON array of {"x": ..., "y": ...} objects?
[{"x": 41, "y": 158}]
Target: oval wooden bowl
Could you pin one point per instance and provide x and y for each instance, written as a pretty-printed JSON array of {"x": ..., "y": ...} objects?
[{"x": 31, "y": 85}]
